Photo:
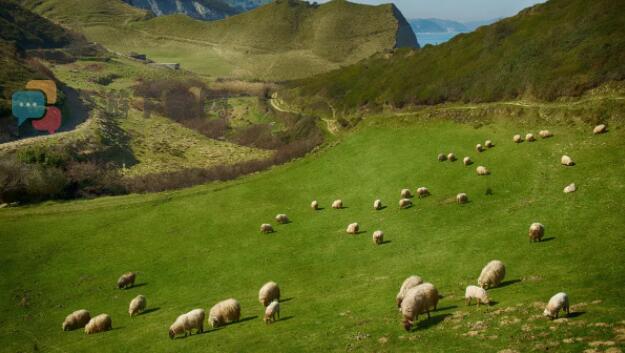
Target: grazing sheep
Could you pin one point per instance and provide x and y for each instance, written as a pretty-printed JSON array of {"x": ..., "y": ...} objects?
[
  {"x": 378, "y": 237},
  {"x": 558, "y": 302},
  {"x": 536, "y": 232},
  {"x": 414, "y": 303},
  {"x": 477, "y": 293},
  {"x": 353, "y": 228},
  {"x": 462, "y": 198},
  {"x": 314, "y": 205},
  {"x": 377, "y": 204},
  {"x": 431, "y": 295},
  {"x": 224, "y": 312},
  {"x": 408, "y": 283},
  {"x": 268, "y": 293},
  {"x": 545, "y": 134},
  {"x": 77, "y": 319},
  {"x": 600, "y": 129},
  {"x": 479, "y": 147},
  {"x": 451, "y": 157},
  {"x": 271, "y": 311},
  {"x": 467, "y": 161},
  {"x": 423, "y": 192},
  {"x": 99, "y": 323},
  {"x": 126, "y": 280},
  {"x": 567, "y": 161},
  {"x": 405, "y": 193},
  {"x": 441, "y": 157},
  {"x": 530, "y": 137},
  {"x": 492, "y": 275},
  {"x": 517, "y": 139},
  {"x": 185, "y": 323},
  {"x": 337, "y": 204},
  {"x": 266, "y": 228},
  {"x": 282, "y": 219},
  {"x": 137, "y": 305},
  {"x": 481, "y": 170},
  {"x": 570, "y": 188},
  {"x": 405, "y": 203},
  {"x": 489, "y": 144}
]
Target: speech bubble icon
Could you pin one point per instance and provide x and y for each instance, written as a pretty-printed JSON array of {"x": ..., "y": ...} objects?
[
  {"x": 47, "y": 86},
  {"x": 28, "y": 104},
  {"x": 50, "y": 122}
]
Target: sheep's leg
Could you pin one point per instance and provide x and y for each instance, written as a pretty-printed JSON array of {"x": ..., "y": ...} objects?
[
  {"x": 467, "y": 301},
  {"x": 478, "y": 303},
  {"x": 428, "y": 312}
]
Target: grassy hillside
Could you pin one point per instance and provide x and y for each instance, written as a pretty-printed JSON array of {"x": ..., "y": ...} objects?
[
  {"x": 560, "y": 48},
  {"x": 197, "y": 246}
]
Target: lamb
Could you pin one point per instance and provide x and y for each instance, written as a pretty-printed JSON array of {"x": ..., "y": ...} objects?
[
  {"x": 451, "y": 157},
  {"x": 558, "y": 302},
  {"x": 536, "y": 232},
  {"x": 477, "y": 293},
  {"x": 405, "y": 203},
  {"x": 570, "y": 188},
  {"x": 282, "y": 218},
  {"x": 479, "y": 147},
  {"x": 441, "y": 157},
  {"x": 489, "y": 144},
  {"x": 266, "y": 228},
  {"x": 517, "y": 139},
  {"x": 600, "y": 129},
  {"x": 408, "y": 283},
  {"x": 467, "y": 161},
  {"x": 314, "y": 205},
  {"x": 271, "y": 311},
  {"x": 378, "y": 237},
  {"x": 414, "y": 303},
  {"x": 492, "y": 275},
  {"x": 137, "y": 305},
  {"x": 567, "y": 161},
  {"x": 377, "y": 205},
  {"x": 481, "y": 170},
  {"x": 545, "y": 134},
  {"x": 77, "y": 319},
  {"x": 126, "y": 280},
  {"x": 405, "y": 193},
  {"x": 530, "y": 137},
  {"x": 337, "y": 204},
  {"x": 423, "y": 192},
  {"x": 353, "y": 228},
  {"x": 185, "y": 323},
  {"x": 462, "y": 198},
  {"x": 268, "y": 293},
  {"x": 99, "y": 323},
  {"x": 226, "y": 311}
]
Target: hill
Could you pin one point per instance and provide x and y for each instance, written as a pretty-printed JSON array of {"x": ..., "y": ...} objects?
[{"x": 558, "y": 49}]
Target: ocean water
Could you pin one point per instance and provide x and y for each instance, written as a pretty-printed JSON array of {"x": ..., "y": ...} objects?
[{"x": 434, "y": 38}]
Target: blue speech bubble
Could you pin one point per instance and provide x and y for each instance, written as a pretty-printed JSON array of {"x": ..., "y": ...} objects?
[{"x": 28, "y": 104}]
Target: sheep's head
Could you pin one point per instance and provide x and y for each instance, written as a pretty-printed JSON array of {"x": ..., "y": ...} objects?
[
  {"x": 65, "y": 326},
  {"x": 172, "y": 334},
  {"x": 213, "y": 321},
  {"x": 407, "y": 325},
  {"x": 486, "y": 300},
  {"x": 548, "y": 313}
]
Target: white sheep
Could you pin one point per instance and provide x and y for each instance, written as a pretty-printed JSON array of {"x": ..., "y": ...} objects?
[
  {"x": 353, "y": 228},
  {"x": 481, "y": 170},
  {"x": 451, "y": 157},
  {"x": 530, "y": 137},
  {"x": 600, "y": 129},
  {"x": 271, "y": 311},
  {"x": 185, "y": 323},
  {"x": 405, "y": 193},
  {"x": 467, "y": 161},
  {"x": 567, "y": 161},
  {"x": 558, "y": 302},
  {"x": 378, "y": 237},
  {"x": 462, "y": 198},
  {"x": 266, "y": 228},
  {"x": 423, "y": 192},
  {"x": 137, "y": 305},
  {"x": 441, "y": 157},
  {"x": 268, "y": 293},
  {"x": 477, "y": 293},
  {"x": 545, "y": 134},
  {"x": 492, "y": 274},
  {"x": 282, "y": 218},
  {"x": 126, "y": 280},
  {"x": 536, "y": 232},
  {"x": 77, "y": 319},
  {"x": 225, "y": 311},
  {"x": 408, "y": 283},
  {"x": 405, "y": 203},
  {"x": 99, "y": 323},
  {"x": 517, "y": 139},
  {"x": 337, "y": 204},
  {"x": 479, "y": 147},
  {"x": 489, "y": 144},
  {"x": 570, "y": 188},
  {"x": 314, "y": 205},
  {"x": 377, "y": 204},
  {"x": 414, "y": 303},
  {"x": 431, "y": 295}
]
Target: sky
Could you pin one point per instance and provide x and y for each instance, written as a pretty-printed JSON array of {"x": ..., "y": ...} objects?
[{"x": 459, "y": 10}]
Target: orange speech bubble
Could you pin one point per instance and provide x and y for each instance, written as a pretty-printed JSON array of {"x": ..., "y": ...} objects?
[{"x": 48, "y": 87}]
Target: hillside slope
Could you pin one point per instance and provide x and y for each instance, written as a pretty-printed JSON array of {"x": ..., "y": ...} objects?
[
  {"x": 560, "y": 48},
  {"x": 200, "y": 9}
]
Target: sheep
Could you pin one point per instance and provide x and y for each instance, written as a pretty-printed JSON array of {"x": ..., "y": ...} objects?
[
  {"x": 467, "y": 161},
  {"x": 185, "y": 323},
  {"x": 314, "y": 205},
  {"x": 408, "y": 283},
  {"x": 492, "y": 274},
  {"x": 337, "y": 204},
  {"x": 126, "y": 280},
  {"x": 462, "y": 198},
  {"x": 479, "y": 147},
  {"x": 99, "y": 323},
  {"x": 530, "y": 137},
  {"x": 477, "y": 293},
  {"x": 414, "y": 303},
  {"x": 570, "y": 188},
  {"x": 268, "y": 293},
  {"x": 353, "y": 228},
  {"x": 600, "y": 129},
  {"x": 405, "y": 194},
  {"x": 536, "y": 232},
  {"x": 271, "y": 311},
  {"x": 545, "y": 134},
  {"x": 77, "y": 319},
  {"x": 517, "y": 139},
  {"x": 423, "y": 192},
  {"x": 282, "y": 219},
  {"x": 405, "y": 203},
  {"x": 225, "y": 311},
  {"x": 481, "y": 170},
  {"x": 441, "y": 157},
  {"x": 451, "y": 157},
  {"x": 266, "y": 228},
  {"x": 489, "y": 144},
  {"x": 558, "y": 302},
  {"x": 431, "y": 295},
  {"x": 137, "y": 305},
  {"x": 567, "y": 161},
  {"x": 378, "y": 237},
  {"x": 377, "y": 204}
]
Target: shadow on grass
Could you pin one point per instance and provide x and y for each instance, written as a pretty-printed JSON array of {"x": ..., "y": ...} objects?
[
  {"x": 286, "y": 318},
  {"x": 406, "y": 207},
  {"x": 575, "y": 314},
  {"x": 286, "y": 300},
  {"x": 138, "y": 285},
  {"x": 382, "y": 208},
  {"x": 547, "y": 239},
  {"x": 508, "y": 283},
  {"x": 361, "y": 232},
  {"x": 150, "y": 310},
  {"x": 434, "y": 320},
  {"x": 447, "y": 308},
  {"x": 243, "y": 320},
  {"x": 320, "y": 208},
  {"x": 386, "y": 242}
]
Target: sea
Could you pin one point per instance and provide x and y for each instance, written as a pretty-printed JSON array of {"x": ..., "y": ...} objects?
[{"x": 434, "y": 38}]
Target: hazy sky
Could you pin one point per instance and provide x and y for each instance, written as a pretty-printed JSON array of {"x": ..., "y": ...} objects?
[{"x": 462, "y": 10}]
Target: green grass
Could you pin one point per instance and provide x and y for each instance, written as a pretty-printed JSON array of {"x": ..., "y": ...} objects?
[{"x": 197, "y": 246}]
